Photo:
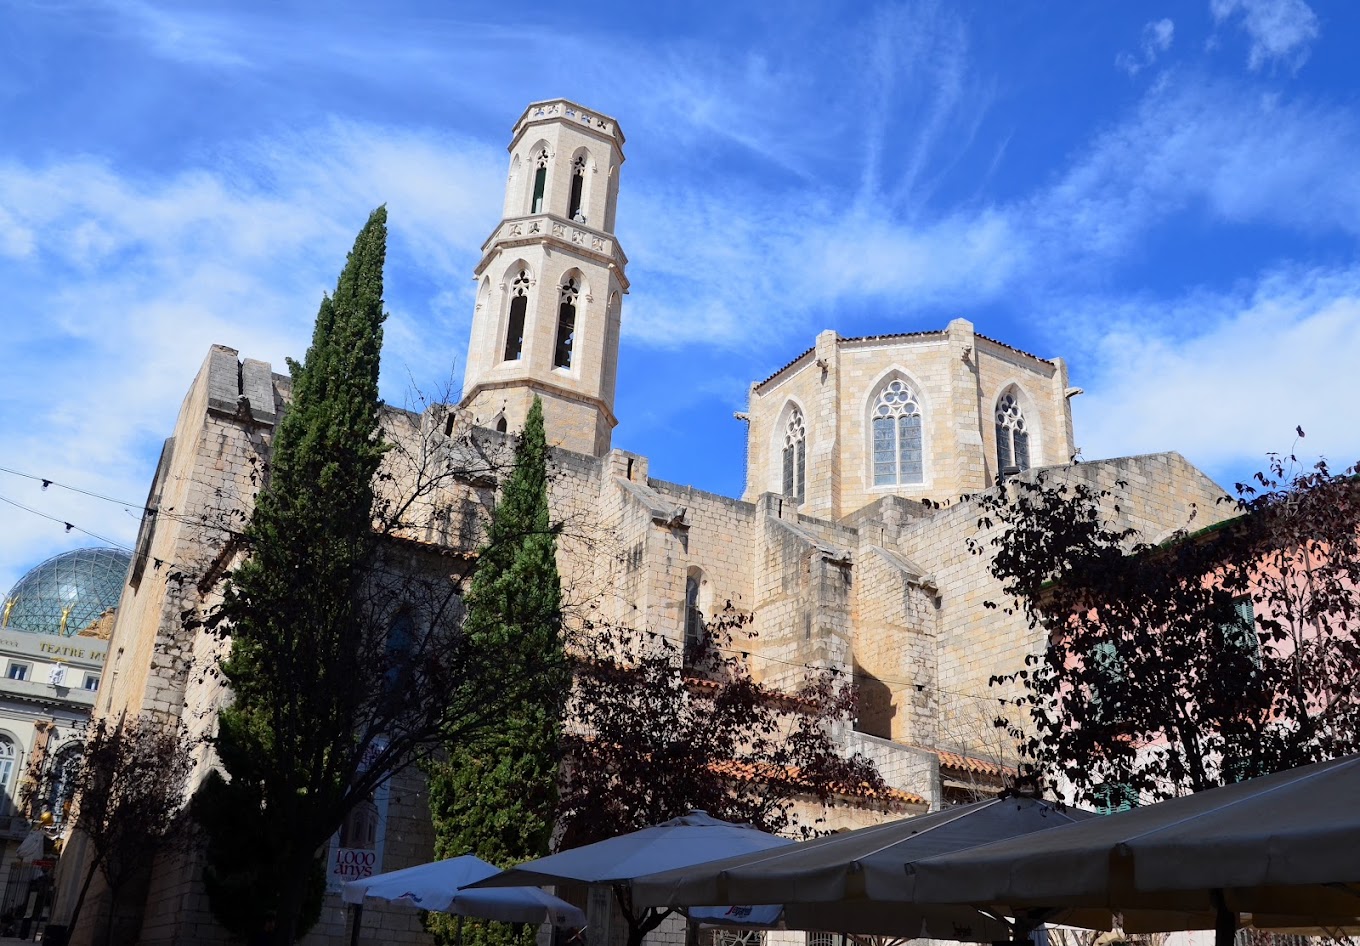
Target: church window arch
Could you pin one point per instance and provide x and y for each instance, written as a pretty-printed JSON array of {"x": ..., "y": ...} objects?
[
  {"x": 896, "y": 434},
  {"x": 1014, "y": 446},
  {"x": 61, "y": 782},
  {"x": 568, "y": 302},
  {"x": 696, "y": 628},
  {"x": 580, "y": 164},
  {"x": 9, "y": 761},
  {"x": 793, "y": 453},
  {"x": 519, "y": 310},
  {"x": 541, "y": 159}
]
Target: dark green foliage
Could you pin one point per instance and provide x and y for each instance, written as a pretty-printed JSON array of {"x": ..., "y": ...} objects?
[
  {"x": 290, "y": 741},
  {"x": 1212, "y": 657},
  {"x": 495, "y": 793}
]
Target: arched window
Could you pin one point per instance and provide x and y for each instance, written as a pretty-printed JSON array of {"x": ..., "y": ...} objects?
[
  {"x": 9, "y": 757},
  {"x": 61, "y": 783},
  {"x": 540, "y": 181},
  {"x": 519, "y": 307},
  {"x": 401, "y": 634},
  {"x": 795, "y": 455},
  {"x": 566, "y": 323},
  {"x": 502, "y": 426},
  {"x": 695, "y": 631},
  {"x": 896, "y": 430},
  {"x": 578, "y": 187},
  {"x": 1012, "y": 438}
]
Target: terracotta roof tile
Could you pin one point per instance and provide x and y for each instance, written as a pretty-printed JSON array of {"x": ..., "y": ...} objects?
[
  {"x": 972, "y": 766},
  {"x": 749, "y": 772}
]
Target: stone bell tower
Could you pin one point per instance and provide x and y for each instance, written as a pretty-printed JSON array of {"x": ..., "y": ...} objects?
[{"x": 551, "y": 282}]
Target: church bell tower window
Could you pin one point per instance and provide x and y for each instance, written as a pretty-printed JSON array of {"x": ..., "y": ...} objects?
[
  {"x": 566, "y": 323},
  {"x": 578, "y": 186},
  {"x": 896, "y": 424},
  {"x": 540, "y": 181},
  {"x": 1012, "y": 439},
  {"x": 519, "y": 306},
  {"x": 795, "y": 456}
]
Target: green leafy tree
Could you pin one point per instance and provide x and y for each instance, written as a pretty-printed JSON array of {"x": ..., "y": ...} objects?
[
  {"x": 658, "y": 731},
  {"x": 347, "y": 660},
  {"x": 1210, "y": 657},
  {"x": 494, "y": 795}
]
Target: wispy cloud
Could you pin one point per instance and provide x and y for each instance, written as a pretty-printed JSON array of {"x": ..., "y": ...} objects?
[
  {"x": 1258, "y": 362},
  {"x": 1157, "y": 38},
  {"x": 1281, "y": 31},
  {"x": 122, "y": 284}
]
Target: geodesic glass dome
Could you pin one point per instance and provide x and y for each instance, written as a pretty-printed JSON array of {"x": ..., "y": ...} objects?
[{"x": 67, "y": 593}]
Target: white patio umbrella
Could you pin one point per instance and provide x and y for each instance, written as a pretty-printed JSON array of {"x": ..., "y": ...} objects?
[
  {"x": 864, "y": 865},
  {"x": 439, "y": 886},
  {"x": 1284, "y": 848},
  {"x": 681, "y": 842},
  {"x": 864, "y": 918}
]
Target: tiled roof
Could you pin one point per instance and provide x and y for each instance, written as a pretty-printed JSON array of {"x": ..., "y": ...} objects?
[
  {"x": 1018, "y": 351},
  {"x": 749, "y": 772},
  {"x": 438, "y": 548},
  {"x": 892, "y": 335},
  {"x": 972, "y": 766}
]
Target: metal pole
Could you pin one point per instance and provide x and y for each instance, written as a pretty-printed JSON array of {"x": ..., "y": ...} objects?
[
  {"x": 356, "y": 913},
  {"x": 1225, "y": 921}
]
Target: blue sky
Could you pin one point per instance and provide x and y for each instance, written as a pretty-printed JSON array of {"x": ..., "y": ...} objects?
[{"x": 1167, "y": 195}]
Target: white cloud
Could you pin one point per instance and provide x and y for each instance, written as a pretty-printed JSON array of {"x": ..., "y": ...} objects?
[
  {"x": 1195, "y": 145},
  {"x": 1281, "y": 31},
  {"x": 1226, "y": 377},
  {"x": 122, "y": 284},
  {"x": 1157, "y": 38}
]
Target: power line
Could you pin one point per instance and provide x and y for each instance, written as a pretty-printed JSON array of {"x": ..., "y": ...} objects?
[
  {"x": 203, "y": 522},
  {"x": 70, "y": 526},
  {"x": 47, "y": 481}
]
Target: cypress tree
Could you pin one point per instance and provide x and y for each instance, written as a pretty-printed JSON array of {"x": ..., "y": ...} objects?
[
  {"x": 292, "y": 610},
  {"x": 494, "y": 796}
]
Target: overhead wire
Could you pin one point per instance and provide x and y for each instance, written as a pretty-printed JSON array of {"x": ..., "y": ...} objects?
[{"x": 204, "y": 522}]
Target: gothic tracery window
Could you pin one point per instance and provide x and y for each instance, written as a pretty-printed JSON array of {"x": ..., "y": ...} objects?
[
  {"x": 578, "y": 185},
  {"x": 566, "y": 323},
  {"x": 9, "y": 757},
  {"x": 540, "y": 181},
  {"x": 1012, "y": 438},
  {"x": 61, "y": 780},
  {"x": 896, "y": 429},
  {"x": 795, "y": 456},
  {"x": 519, "y": 307}
]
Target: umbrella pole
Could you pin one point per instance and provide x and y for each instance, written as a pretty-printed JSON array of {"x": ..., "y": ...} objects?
[
  {"x": 458, "y": 931},
  {"x": 1225, "y": 921},
  {"x": 356, "y": 912}
]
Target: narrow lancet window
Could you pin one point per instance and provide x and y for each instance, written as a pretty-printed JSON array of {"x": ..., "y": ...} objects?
[
  {"x": 540, "y": 181},
  {"x": 695, "y": 629},
  {"x": 1012, "y": 438},
  {"x": 519, "y": 307},
  {"x": 795, "y": 456},
  {"x": 578, "y": 186},
  {"x": 896, "y": 431},
  {"x": 566, "y": 324}
]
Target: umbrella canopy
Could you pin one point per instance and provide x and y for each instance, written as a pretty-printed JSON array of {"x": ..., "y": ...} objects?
[
  {"x": 681, "y": 842},
  {"x": 436, "y": 887},
  {"x": 899, "y": 920},
  {"x": 868, "y": 864},
  {"x": 1284, "y": 847}
]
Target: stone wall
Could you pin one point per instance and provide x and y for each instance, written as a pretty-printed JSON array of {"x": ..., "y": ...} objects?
[{"x": 956, "y": 376}]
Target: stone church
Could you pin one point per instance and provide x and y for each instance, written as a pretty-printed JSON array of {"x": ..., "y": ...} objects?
[{"x": 847, "y": 549}]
